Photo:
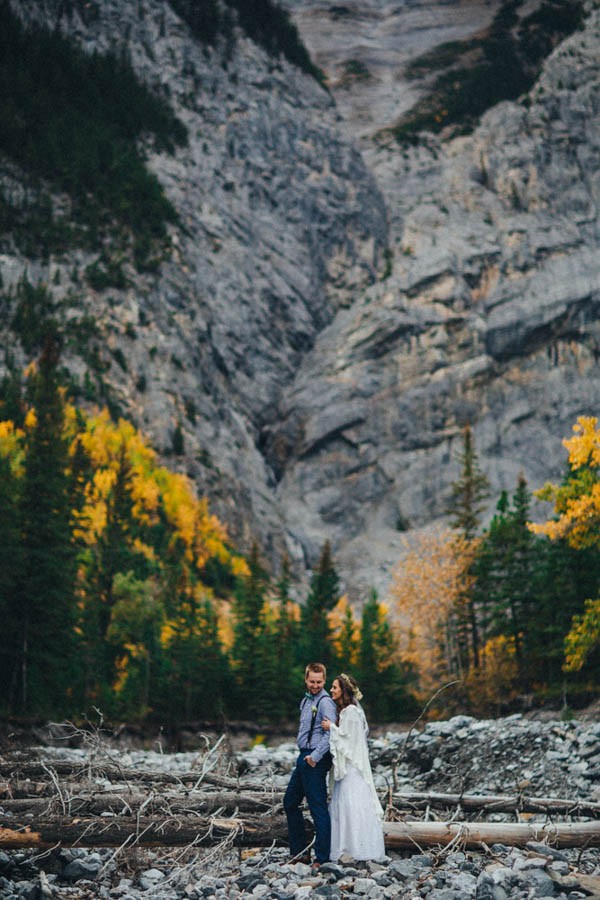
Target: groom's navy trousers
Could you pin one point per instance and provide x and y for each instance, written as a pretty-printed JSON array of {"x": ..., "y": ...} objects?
[{"x": 310, "y": 782}]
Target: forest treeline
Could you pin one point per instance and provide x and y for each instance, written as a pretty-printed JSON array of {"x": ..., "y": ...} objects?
[{"x": 121, "y": 592}]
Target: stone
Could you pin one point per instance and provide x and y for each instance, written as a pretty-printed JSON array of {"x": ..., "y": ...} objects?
[{"x": 81, "y": 868}]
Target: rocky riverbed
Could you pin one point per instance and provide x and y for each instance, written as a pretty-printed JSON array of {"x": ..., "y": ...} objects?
[{"x": 514, "y": 756}]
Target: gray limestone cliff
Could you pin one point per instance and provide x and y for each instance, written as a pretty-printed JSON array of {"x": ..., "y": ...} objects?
[{"x": 329, "y": 389}]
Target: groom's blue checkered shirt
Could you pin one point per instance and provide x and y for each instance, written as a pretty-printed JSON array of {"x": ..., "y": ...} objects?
[{"x": 319, "y": 741}]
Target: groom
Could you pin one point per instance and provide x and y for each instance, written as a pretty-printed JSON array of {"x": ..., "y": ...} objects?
[{"x": 309, "y": 778}]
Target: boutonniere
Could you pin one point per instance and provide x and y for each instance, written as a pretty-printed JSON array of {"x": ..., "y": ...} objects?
[{"x": 313, "y": 709}]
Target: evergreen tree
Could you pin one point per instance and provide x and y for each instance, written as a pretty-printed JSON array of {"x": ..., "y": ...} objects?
[
  {"x": 347, "y": 642},
  {"x": 249, "y": 651},
  {"x": 46, "y": 673},
  {"x": 569, "y": 576},
  {"x": 469, "y": 492},
  {"x": 323, "y": 595},
  {"x": 112, "y": 554},
  {"x": 195, "y": 678},
  {"x": 286, "y": 632},
  {"x": 10, "y": 568},
  {"x": 506, "y": 570},
  {"x": 382, "y": 681},
  {"x": 466, "y": 506}
]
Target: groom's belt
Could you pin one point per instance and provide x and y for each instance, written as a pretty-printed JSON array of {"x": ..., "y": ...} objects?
[{"x": 306, "y": 749}]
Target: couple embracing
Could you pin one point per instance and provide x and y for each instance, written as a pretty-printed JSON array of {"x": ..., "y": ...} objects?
[{"x": 333, "y": 731}]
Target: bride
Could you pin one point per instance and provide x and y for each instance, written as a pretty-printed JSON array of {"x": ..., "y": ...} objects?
[{"x": 354, "y": 809}]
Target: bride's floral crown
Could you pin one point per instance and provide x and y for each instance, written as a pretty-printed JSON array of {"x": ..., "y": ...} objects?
[{"x": 351, "y": 684}]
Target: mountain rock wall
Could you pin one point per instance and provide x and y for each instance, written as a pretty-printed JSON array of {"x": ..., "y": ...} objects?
[
  {"x": 489, "y": 317},
  {"x": 321, "y": 390},
  {"x": 280, "y": 225}
]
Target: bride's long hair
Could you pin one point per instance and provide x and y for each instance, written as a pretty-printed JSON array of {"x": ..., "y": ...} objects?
[{"x": 350, "y": 691}]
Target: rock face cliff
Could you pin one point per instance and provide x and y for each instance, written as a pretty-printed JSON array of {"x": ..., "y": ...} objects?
[
  {"x": 489, "y": 317},
  {"x": 322, "y": 384}
]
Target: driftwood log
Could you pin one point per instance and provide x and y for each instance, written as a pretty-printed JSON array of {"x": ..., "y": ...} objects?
[
  {"x": 87, "y": 800},
  {"x": 495, "y": 803},
  {"x": 146, "y": 831},
  {"x": 257, "y": 832},
  {"x": 45, "y": 804},
  {"x": 152, "y": 803},
  {"x": 476, "y": 834},
  {"x": 23, "y": 770}
]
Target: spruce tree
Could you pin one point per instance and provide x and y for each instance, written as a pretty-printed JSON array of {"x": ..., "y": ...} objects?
[
  {"x": 382, "y": 681},
  {"x": 467, "y": 503},
  {"x": 10, "y": 569},
  {"x": 288, "y": 665},
  {"x": 505, "y": 569},
  {"x": 323, "y": 595},
  {"x": 469, "y": 492},
  {"x": 249, "y": 651},
  {"x": 46, "y": 676}
]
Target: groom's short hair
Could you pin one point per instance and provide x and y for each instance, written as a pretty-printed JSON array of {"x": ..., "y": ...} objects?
[{"x": 315, "y": 667}]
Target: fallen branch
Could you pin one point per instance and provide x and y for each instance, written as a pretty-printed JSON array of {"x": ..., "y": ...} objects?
[
  {"x": 19, "y": 770},
  {"x": 146, "y": 831},
  {"x": 261, "y": 832},
  {"x": 474, "y": 834},
  {"x": 127, "y": 803},
  {"x": 496, "y": 803}
]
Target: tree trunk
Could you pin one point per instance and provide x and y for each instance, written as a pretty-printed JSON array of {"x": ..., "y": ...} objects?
[
  {"x": 146, "y": 831},
  {"x": 260, "y": 832},
  {"x": 129, "y": 803},
  {"x": 496, "y": 803},
  {"x": 474, "y": 834}
]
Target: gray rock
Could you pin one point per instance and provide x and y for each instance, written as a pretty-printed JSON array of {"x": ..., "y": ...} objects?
[
  {"x": 546, "y": 850},
  {"x": 488, "y": 889},
  {"x": 81, "y": 868},
  {"x": 150, "y": 878},
  {"x": 539, "y": 884}
]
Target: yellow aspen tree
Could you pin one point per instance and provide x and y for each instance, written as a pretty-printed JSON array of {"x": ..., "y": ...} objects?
[
  {"x": 577, "y": 500},
  {"x": 344, "y": 630},
  {"x": 427, "y": 587},
  {"x": 577, "y": 520}
]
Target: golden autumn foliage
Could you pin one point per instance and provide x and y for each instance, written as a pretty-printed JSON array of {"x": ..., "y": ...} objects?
[
  {"x": 425, "y": 596},
  {"x": 154, "y": 492},
  {"x": 12, "y": 447},
  {"x": 577, "y": 501},
  {"x": 345, "y": 631},
  {"x": 577, "y": 508},
  {"x": 583, "y": 637},
  {"x": 496, "y": 679}
]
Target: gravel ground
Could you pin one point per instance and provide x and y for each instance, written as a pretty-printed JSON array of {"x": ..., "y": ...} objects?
[{"x": 463, "y": 755}]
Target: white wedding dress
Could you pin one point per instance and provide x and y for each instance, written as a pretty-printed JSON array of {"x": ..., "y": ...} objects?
[{"x": 354, "y": 809}]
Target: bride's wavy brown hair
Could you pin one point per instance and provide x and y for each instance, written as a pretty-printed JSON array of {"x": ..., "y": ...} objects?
[{"x": 349, "y": 688}]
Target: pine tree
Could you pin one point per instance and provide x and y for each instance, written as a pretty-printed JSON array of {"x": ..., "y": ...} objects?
[
  {"x": 10, "y": 568},
  {"x": 249, "y": 650},
  {"x": 286, "y": 632},
  {"x": 505, "y": 570},
  {"x": 47, "y": 674},
  {"x": 346, "y": 639},
  {"x": 382, "y": 681},
  {"x": 467, "y": 504},
  {"x": 323, "y": 595},
  {"x": 469, "y": 492}
]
